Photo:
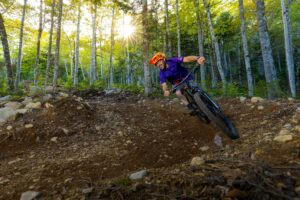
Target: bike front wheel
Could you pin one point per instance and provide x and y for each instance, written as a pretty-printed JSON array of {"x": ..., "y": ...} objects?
[{"x": 215, "y": 114}]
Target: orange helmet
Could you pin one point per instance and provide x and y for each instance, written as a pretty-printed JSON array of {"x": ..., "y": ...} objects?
[{"x": 157, "y": 57}]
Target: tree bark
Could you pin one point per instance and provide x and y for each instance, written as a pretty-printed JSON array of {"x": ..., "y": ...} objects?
[
  {"x": 38, "y": 45},
  {"x": 288, "y": 47},
  {"x": 93, "y": 56},
  {"x": 200, "y": 43},
  {"x": 298, "y": 54},
  {"x": 178, "y": 30},
  {"x": 245, "y": 49},
  {"x": 147, "y": 74},
  {"x": 9, "y": 70},
  {"x": 212, "y": 66},
  {"x": 19, "y": 63},
  {"x": 167, "y": 24},
  {"x": 216, "y": 45},
  {"x": 111, "y": 75},
  {"x": 75, "y": 74},
  {"x": 58, "y": 34},
  {"x": 270, "y": 72},
  {"x": 50, "y": 44}
]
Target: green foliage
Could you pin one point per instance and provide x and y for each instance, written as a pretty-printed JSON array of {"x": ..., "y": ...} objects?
[
  {"x": 3, "y": 87},
  {"x": 125, "y": 181},
  {"x": 131, "y": 88},
  {"x": 224, "y": 26},
  {"x": 225, "y": 16}
]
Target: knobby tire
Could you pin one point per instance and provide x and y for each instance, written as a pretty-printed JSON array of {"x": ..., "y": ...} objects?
[{"x": 215, "y": 114}]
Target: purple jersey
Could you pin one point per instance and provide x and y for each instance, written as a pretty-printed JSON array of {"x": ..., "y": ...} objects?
[{"x": 175, "y": 72}]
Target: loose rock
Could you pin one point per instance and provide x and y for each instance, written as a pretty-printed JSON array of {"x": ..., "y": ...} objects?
[
  {"x": 7, "y": 114},
  {"x": 30, "y": 195},
  {"x": 197, "y": 161},
  {"x": 283, "y": 138},
  {"x": 260, "y": 107},
  {"x": 6, "y": 98},
  {"x": 256, "y": 99},
  {"x": 205, "y": 148},
  {"x": 54, "y": 139},
  {"x": 33, "y": 105},
  {"x": 138, "y": 175},
  {"x": 243, "y": 99},
  {"x": 28, "y": 125},
  {"x": 14, "y": 105}
]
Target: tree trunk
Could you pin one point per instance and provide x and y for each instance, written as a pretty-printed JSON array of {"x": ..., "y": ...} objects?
[
  {"x": 212, "y": 71},
  {"x": 19, "y": 63},
  {"x": 82, "y": 71},
  {"x": 38, "y": 45},
  {"x": 66, "y": 68},
  {"x": 56, "y": 60},
  {"x": 200, "y": 42},
  {"x": 216, "y": 45},
  {"x": 288, "y": 47},
  {"x": 147, "y": 74},
  {"x": 93, "y": 56},
  {"x": 245, "y": 48},
  {"x": 128, "y": 64},
  {"x": 239, "y": 72},
  {"x": 50, "y": 44},
  {"x": 178, "y": 30},
  {"x": 111, "y": 77},
  {"x": 270, "y": 72},
  {"x": 298, "y": 54},
  {"x": 101, "y": 62},
  {"x": 75, "y": 74},
  {"x": 101, "y": 70},
  {"x": 168, "y": 38},
  {"x": 279, "y": 61},
  {"x": 9, "y": 70}
]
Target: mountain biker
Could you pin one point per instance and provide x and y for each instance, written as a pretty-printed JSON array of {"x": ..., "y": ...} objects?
[{"x": 172, "y": 71}]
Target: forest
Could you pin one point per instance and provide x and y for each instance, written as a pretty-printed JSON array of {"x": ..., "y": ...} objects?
[
  {"x": 84, "y": 113},
  {"x": 251, "y": 47}
]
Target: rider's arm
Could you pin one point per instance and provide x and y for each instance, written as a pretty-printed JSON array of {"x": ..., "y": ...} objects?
[
  {"x": 200, "y": 60},
  {"x": 165, "y": 89}
]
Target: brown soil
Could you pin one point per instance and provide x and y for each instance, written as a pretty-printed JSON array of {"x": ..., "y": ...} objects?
[{"x": 104, "y": 138}]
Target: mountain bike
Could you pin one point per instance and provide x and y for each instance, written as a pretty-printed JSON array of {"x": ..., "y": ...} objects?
[{"x": 204, "y": 106}]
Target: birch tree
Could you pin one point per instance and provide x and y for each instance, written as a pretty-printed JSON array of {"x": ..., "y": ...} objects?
[
  {"x": 245, "y": 48},
  {"x": 288, "y": 47},
  {"x": 75, "y": 74},
  {"x": 298, "y": 53},
  {"x": 19, "y": 62},
  {"x": 111, "y": 75},
  {"x": 58, "y": 34},
  {"x": 178, "y": 30},
  {"x": 50, "y": 43},
  {"x": 200, "y": 42},
  {"x": 270, "y": 72},
  {"x": 93, "y": 55},
  {"x": 167, "y": 28},
  {"x": 38, "y": 45},
  {"x": 215, "y": 43},
  {"x": 147, "y": 74},
  {"x": 9, "y": 72}
]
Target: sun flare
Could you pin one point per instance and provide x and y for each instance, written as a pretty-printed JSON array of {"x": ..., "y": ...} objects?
[{"x": 127, "y": 29}]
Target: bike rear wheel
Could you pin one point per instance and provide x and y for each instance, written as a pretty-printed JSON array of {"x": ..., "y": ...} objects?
[{"x": 215, "y": 114}]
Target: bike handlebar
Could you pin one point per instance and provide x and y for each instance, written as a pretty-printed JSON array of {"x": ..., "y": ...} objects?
[{"x": 193, "y": 71}]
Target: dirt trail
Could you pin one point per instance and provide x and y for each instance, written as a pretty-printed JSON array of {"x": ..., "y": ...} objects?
[{"x": 97, "y": 141}]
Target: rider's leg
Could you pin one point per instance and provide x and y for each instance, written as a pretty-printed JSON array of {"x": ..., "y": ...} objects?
[
  {"x": 182, "y": 97},
  {"x": 185, "y": 102}
]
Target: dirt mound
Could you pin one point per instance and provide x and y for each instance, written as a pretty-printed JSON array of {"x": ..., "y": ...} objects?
[{"x": 87, "y": 146}]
